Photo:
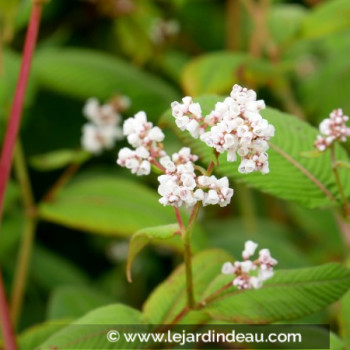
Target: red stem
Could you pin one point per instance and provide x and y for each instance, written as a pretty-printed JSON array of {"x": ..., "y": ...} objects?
[
  {"x": 8, "y": 149},
  {"x": 17, "y": 105},
  {"x": 6, "y": 324}
]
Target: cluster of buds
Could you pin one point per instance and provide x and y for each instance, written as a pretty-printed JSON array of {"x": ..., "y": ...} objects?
[
  {"x": 251, "y": 273},
  {"x": 103, "y": 127},
  {"x": 235, "y": 126},
  {"x": 179, "y": 184},
  {"x": 146, "y": 140},
  {"x": 332, "y": 129}
]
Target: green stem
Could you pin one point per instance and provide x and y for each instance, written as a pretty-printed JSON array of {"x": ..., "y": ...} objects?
[
  {"x": 247, "y": 207},
  {"x": 62, "y": 180},
  {"x": 344, "y": 200},
  {"x": 23, "y": 261},
  {"x": 187, "y": 246},
  {"x": 28, "y": 236}
]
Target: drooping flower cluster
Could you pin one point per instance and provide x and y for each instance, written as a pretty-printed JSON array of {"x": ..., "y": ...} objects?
[
  {"x": 103, "y": 127},
  {"x": 251, "y": 274},
  {"x": 179, "y": 184},
  {"x": 332, "y": 129},
  {"x": 235, "y": 126},
  {"x": 147, "y": 142}
]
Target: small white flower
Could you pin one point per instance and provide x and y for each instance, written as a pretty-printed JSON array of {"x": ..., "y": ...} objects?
[
  {"x": 249, "y": 249},
  {"x": 251, "y": 274}
]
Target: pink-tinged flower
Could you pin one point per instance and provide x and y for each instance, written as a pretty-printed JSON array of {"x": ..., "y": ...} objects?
[
  {"x": 332, "y": 129},
  {"x": 235, "y": 126},
  {"x": 251, "y": 274}
]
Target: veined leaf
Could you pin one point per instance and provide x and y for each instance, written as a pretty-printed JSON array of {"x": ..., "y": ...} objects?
[
  {"x": 141, "y": 238},
  {"x": 84, "y": 73},
  {"x": 327, "y": 18},
  {"x": 169, "y": 298},
  {"x": 89, "y": 331},
  {"x": 344, "y": 319},
  {"x": 106, "y": 205},
  {"x": 34, "y": 336},
  {"x": 309, "y": 182},
  {"x": 290, "y": 294}
]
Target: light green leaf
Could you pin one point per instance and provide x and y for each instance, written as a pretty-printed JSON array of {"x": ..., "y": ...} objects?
[
  {"x": 309, "y": 182},
  {"x": 58, "y": 159},
  {"x": 344, "y": 319},
  {"x": 107, "y": 205},
  {"x": 89, "y": 331},
  {"x": 169, "y": 298},
  {"x": 290, "y": 294},
  {"x": 141, "y": 238},
  {"x": 327, "y": 18},
  {"x": 212, "y": 73},
  {"x": 84, "y": 73},
  {"x": 70, "y": 302}
]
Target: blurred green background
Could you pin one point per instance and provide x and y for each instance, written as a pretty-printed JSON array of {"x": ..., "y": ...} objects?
[{"x": 294, "y": 53}]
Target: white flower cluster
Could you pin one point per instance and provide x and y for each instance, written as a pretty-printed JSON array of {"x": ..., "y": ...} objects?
[
  {"x": 179, "y": 184},
  {"x": 251, "y": 274},
  {"x": 333, "y": 129},
  {"x": 235, "y": 126},
  {"x": 103, "y": 128},
  {"x": 147, "y": 142}
]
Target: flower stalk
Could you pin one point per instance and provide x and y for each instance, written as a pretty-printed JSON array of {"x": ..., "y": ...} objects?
[{"x": 8, "y": 150}]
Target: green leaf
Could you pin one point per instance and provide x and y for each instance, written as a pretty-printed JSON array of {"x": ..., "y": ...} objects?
[
  {"x": 71, "y": 302},
  {"x": 8, "y": 80},
  {"x": 309, "y": 182},
  {"x": 268, "y": 234},
  {"x": 58, "y": 159},
  {"x": 84, "y": 73},
  {"x": 34, "y": 336},
  {"x": 169, "y": 298},
  {"x": 141, "y": 238},
  {"x": 106, "y": 205},
  {"x": 285, "y": 22},
  {"x": 333, "y": 71},
  {"x": 212, "y": 73},
  {"x": 51, "y": 270},
  {"x": 290, "y": 294},
  {"x": 89, "y": 331},
  {"x": 344, "y": 319},
  {"x": 327, "y": 18},
  {"x": 323, "y": 241}
]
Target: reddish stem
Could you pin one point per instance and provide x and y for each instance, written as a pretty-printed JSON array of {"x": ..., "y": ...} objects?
[
  {"x": 17, "y": 105},
  {"x": 6, "y": 325},
  {"x": 8, "y": 149},
  {"x": 179, "y": 219}
]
